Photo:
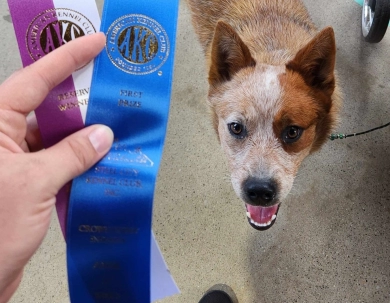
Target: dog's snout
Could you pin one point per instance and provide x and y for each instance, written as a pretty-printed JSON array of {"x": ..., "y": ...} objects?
[{"x": 260, "y": 192}]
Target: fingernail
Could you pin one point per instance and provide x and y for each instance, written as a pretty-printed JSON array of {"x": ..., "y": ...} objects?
[{"x": 101, "y": 138}]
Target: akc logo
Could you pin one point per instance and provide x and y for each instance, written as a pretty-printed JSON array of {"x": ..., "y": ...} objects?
[
  {"x": 54, "y": 28},
  {"x": 137, "y": 44}
]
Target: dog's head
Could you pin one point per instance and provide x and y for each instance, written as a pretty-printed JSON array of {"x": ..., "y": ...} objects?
[{"x": 269, "y": 118}]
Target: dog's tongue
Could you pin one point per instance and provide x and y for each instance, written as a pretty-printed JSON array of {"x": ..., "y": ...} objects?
[{"x": 262, "y": 215}]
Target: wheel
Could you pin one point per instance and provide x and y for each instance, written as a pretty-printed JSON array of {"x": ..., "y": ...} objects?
[{"x": 375, "y": 19}]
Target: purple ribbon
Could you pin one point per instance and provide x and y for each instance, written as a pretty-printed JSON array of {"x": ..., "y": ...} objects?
[{"x": 54, "y": 124}]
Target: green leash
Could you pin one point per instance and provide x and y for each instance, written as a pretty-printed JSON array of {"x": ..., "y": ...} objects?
[{"x": 343, "y": 136}]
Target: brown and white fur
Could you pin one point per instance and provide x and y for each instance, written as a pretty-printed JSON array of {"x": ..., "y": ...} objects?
[{"x": 273, "y": 93}]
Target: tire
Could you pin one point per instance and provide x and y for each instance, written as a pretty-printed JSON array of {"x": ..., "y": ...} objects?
[{"x": 375, "y": 19}]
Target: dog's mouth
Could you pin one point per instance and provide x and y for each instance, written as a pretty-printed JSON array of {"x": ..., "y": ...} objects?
[{"x": 262, "y": 218}]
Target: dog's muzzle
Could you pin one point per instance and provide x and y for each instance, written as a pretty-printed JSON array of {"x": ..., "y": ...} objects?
[
  {"x": 262, "y": 205},
  {"x": 260, "y": 192}
]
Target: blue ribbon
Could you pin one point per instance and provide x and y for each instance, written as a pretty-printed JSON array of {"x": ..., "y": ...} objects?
[{"x": 110, "y": 211}]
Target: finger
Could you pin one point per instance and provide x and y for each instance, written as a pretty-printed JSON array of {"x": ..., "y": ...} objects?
[
  {"x": 24, "y": 146},
  {"x": 33, "y": 135},
  {"x": 27, "y": 88},
  {"x": 76, "y": 154}
]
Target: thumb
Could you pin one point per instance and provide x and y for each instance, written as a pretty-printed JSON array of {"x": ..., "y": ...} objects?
[{"x": 76, "y": 154}]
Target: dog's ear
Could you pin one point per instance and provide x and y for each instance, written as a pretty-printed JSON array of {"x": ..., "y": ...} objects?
[
  {"x": 229, "y": 54},
  {"x": 316, "y": 61}
]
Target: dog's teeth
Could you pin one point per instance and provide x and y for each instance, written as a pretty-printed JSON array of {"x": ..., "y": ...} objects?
[{"x": 260, "y": 224}]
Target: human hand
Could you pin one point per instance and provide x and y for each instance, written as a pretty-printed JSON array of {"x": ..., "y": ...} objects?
[{"x": 30, "y": 179}]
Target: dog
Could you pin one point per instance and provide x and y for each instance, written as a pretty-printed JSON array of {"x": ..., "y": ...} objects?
[{"x": 273, "y": 93}]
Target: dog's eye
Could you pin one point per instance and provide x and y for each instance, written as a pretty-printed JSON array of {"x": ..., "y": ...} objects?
[
  {"x": 291, "y": 134},
  {"x": 237, "y": 130}
]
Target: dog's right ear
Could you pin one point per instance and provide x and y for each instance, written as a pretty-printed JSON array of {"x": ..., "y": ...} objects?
[{"x": 229, "y": 54}]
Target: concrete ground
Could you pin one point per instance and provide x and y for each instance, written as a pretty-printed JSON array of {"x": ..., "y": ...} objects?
[{"x": 331, "y": 242}]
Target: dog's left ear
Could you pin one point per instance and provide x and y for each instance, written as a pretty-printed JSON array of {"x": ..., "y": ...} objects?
[
  {"x": 316, "y": 61},
  {"x": 229, "y": 54}
]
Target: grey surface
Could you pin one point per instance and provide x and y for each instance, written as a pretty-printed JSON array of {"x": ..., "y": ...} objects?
[{"x": 331, "y": 242}]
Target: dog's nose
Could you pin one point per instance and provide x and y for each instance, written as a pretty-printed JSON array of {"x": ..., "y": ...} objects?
[{"x": 260, "y": 192}]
